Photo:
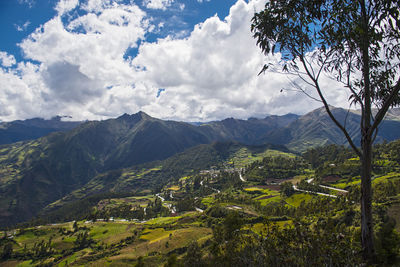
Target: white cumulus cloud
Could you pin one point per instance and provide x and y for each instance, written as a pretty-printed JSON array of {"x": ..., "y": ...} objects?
[
  {"x": 212, "y": 74},
  {"x": 157, "y": 4},
  {"x": 80, "y": 62},
  {"x": 6, "y": 59},
  {"x": 66, "y": 5},
  {"x": 82, "y": 68}
]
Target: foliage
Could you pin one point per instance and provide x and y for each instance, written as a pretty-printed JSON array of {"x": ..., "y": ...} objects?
[
  {"x": 387, "y": 240},
  {"x": 357, "y": 42},
  {"x": 185, "y": 204},
  {"x": 42, "y": 249},
  {"x": 193, "y": 257},
  {"x": 275, "y": 168},
  {"x": 320, "y": 156},
  {"x": 235, "y": 229},
  {"x": 7, "y": 251},
  {"x": 304, "y": 185},
  {"x": 83, "y": 240},
  {"x": 301, "y": 245},
  {"x": 287, "y": 189}
]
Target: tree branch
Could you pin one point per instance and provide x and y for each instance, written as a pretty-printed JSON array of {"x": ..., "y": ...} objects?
[
  {"x": 326, "y": 105},
  {"x": 385, "y": 107},
  {"x": 294, "y": 84}
]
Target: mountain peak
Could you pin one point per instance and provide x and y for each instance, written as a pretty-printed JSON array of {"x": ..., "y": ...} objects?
[{"x": 134, "y": 118}]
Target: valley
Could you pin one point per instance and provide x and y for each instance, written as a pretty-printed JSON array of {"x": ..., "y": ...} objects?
[
  {"x": 206, "y": 214},
  {"x": 138, "y": 191}
]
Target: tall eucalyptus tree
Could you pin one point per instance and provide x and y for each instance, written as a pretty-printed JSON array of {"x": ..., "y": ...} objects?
[{"x": 355, "y": 41}]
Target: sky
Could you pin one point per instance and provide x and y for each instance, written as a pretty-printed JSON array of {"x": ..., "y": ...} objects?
[{"x": 186, "y": 60}]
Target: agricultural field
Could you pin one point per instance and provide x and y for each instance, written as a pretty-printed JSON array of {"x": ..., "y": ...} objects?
[{"x": 208, "y": 211}]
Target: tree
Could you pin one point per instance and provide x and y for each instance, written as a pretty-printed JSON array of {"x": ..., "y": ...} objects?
[
  {"x": 140, "y": 262},
  {"x": 193, "y": 257},
  {"x": 171, "y": 261},
  {"x": 7, "y": 251},
  {"x": 83, "y": 240},
  {"x": 287, "y": 189},
  {"x": 357, "y": 43}
]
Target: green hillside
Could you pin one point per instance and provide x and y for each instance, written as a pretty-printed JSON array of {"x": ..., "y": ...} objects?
[
  {"x": 220, "y": 211},
  {"x": 317, "y": 129},
  {"x": 98, "y": 157}
]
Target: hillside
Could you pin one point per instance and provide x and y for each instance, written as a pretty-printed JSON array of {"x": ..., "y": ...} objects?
[
  {"x": 220, "y": 213},
  {"x": 15, "y": 131},
  {"x": 38, "y": 172},
  {"x": 151, "y": 177},
  {"x": 61, "y": 165},
  {"x": 317, "y": 129},
  {"x": 248, "y": 131}
]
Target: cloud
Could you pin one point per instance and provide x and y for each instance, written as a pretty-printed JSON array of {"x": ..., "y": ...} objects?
[
  {"x": 20, "y": 92},
  {"x": 83, "y": 68},
  {"x": 66, "y": 82},
  {"x": 212, "y": 73},
  {"x": 22, "y": 27},
  {"x": 81, "y": 61},
  {"x": 64, "y": 6},
  {"x": 29, "y": 3},
  {"x": 6, "y": 59},
  {"x": 157, "y": 4}
]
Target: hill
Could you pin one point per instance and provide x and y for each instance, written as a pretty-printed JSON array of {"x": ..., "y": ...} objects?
[
  {"x": 39, "y": 172},
  {"x": 36, "y": 173},
  {"x": 317, "y": 129},
  {"x": 21, "y": 130},
  {"x": 222, "y": 214}
]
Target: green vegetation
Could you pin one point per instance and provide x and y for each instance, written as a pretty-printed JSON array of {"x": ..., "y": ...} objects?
[
  {"x": 346, "y": 40},
  {"x": 211, "y": 216}
]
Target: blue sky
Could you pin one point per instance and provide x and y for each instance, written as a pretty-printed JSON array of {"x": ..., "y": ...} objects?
[
  {"x": 188, "y": 60},
  {"x": 19, "y": 18}
]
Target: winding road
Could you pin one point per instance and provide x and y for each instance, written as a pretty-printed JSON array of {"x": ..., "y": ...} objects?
[{"x": 322, "y": 186}]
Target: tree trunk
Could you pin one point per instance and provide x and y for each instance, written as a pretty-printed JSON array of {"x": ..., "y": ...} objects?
[
  {"x": 366, "y": 201},
  {"x": 367, "y": 231}
]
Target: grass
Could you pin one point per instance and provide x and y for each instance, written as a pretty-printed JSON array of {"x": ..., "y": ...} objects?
[
  {"x": 261, "y": 190},
  {"x": 153, "y": 235},
  {"x": 342, "y": 184},
  {"x": 208, "y": 201},
  {"x": 244, "y": 156},
  {"x": 110, "y": 232},
  {"x": 297, "y": 179},
  {"x": 296, "y": 199},
  {"x": 160, "y": 241},
  {"x": 264, "y": 201},
  {"x": 74, "y": 257},
  {"x": 252, "y": 189},
  {"x": 388, "y": 176},
  {"x": 163, "y": 220},
  {"x": 25, "y": 264},
  {"x": 140, "y": 200},
  {"x": 34, "y": 235},
  {"x": 261, "y": 228},
  {"x": 173, "y": 188}
]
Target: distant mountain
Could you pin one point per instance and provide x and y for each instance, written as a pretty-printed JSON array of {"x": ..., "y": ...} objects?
[
  {"x": 317, "y": 129},
  {"x": 21, "y": 130},
  {"x": 35, "y": 173},
  {"x": 393, "y": 114},
  {"x": 249, "y": 131}
]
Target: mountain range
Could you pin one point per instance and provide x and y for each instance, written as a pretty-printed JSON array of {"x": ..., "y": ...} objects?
[
  {"x": 79, "y": 159},
  {"x": 21, "y": 130}
]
